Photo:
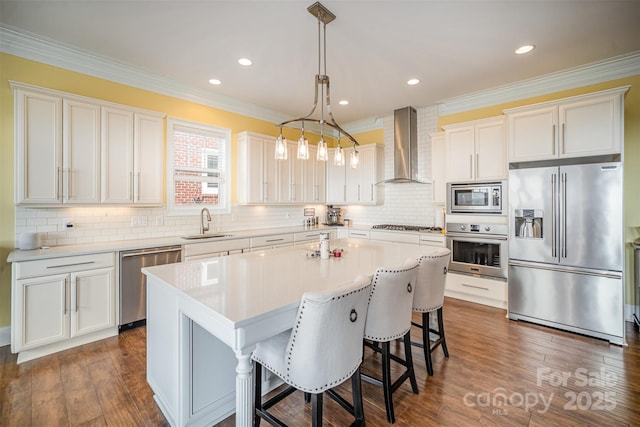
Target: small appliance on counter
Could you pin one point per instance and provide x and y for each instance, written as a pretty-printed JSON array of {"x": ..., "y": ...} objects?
[
  {"x": 333, "y": 216},
  {"x": 28, "y": 241}
]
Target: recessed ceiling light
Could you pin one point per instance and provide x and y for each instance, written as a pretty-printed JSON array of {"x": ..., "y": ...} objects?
[
  {"x": 245, "y": 61},
  {"x": 412, "y": 82},
  {"x": 215, "y": 81},
  {"x": 524, "y": 49},
  {"x": 344, "y": 102}
]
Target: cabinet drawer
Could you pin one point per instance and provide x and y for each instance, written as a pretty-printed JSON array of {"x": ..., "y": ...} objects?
[
  {"x": 432, "y": 240},
  {"x": 359, "y": 234},
  {"x": 47, "y": 267},
  {"x": 312, "y": 236},
  {"x": 477, "y": 286},
  {"x": 213, "y": 248},
  {"x": 277, "y": 239},
  {"x": 394, "y": 237}
]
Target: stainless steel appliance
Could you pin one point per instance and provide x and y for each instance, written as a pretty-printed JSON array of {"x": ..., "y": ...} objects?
[
  {"x": 478, "y": 249},
  {"x": 477, "y": 198},
  {"x": 133, "y": 284},
  {"x": 333, "y": 216},
  {"x": 565, "y": 269}
]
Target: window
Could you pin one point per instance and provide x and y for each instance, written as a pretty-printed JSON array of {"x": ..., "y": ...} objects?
[{"x": 198, "y": 158}]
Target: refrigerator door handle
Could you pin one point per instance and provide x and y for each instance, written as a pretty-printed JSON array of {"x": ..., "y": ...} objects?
[
  {"x": 554, "y": 225},
  {"x": 563, "y": 212}
]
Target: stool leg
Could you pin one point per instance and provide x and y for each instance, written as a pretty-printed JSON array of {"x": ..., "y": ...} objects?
[
  {"x": 257, "y": 398},
  {"x": 441, "y": 331},
  {"x": 356, "y": 395},
  {"x": 426, "y": 343},
  {"x": 409, "y": 361},
  {"x": 386, "y": 382},
  {"x": 316, "y": 409}
]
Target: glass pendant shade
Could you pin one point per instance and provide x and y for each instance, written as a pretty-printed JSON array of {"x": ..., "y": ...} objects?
[
  {"x": 281, "y": 148},
  {"x": 355, "y": 159},
  {"x": 303, "y": 148},
  {"x": 322, "y": 151},
  {"x": 338, "y": 158}
]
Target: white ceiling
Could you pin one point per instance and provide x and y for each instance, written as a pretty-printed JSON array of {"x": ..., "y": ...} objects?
[{"x": 373, "y": 47}]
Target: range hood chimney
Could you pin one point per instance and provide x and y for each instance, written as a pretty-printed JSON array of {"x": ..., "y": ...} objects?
[{"x": 405, "y": 147}]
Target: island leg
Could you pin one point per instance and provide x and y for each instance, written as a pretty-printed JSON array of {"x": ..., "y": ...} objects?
[{"x": 244, "y": 390}]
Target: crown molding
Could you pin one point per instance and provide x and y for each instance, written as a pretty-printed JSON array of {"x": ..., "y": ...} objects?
[
  {"x": 29, "y": 46},
  {"x": 596, "y": 72}
]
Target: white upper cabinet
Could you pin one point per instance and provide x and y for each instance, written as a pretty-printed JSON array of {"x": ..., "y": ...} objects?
[
  {"x": 438, "y": 167},
  {"x": 77, "y": 150},
  {"x": 132, "y": 157},
  {"x": 586, "y": 125},
  {"x": 476, "y": 151},
  {"x": 80, "y": 152},
  {"x": 38, "y": 148},
  {"x": 347, "y": 185},
  {"x": 148, "y": 158},
  {"x": 264, "y": 180}
]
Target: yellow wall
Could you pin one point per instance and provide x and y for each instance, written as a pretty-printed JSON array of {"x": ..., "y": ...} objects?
[
  {"x": 631, "y": 153},
  {"x": 13, "y": 68}
]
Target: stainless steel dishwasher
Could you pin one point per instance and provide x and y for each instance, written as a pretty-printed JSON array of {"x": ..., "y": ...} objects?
[{"x": 133, "y": 284}]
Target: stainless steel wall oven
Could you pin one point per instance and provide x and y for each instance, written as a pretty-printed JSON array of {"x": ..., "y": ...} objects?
[{"x": 478, "y": 249}]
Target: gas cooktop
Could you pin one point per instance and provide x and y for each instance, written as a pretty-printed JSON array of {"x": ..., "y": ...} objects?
[{"x": 396, "y": 227}]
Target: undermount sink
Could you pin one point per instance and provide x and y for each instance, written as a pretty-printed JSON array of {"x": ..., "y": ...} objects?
[{"x": 205, "y": 236}]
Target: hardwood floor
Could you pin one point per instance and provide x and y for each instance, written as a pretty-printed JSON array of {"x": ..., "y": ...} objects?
[{"x": 499, "y": 372}]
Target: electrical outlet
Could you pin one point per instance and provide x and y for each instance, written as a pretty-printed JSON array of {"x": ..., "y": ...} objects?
[
  {"x": 234, "y": 217},
  {"x": 159, "y": 220},
  {"x": 287, "y": 215}
]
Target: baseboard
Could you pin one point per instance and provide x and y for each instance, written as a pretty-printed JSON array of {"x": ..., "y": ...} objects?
[{"x": 5, "y": 336}]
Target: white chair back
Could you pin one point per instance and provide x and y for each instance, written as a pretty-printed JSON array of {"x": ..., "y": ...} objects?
[
  {"x": 392, "y": 290},
  {"x": 432, "y": 275},
  {"x": 325, "y": 346}
]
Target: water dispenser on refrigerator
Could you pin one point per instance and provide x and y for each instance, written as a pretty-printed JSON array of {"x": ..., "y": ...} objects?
[{"x": 528, "y": 223}]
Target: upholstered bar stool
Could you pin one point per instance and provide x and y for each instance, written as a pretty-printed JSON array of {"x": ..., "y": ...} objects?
[
  {"x": 429, "y": 298},
  {"x": 321, "y": 351},
  {"x": 389, "y": 318}
]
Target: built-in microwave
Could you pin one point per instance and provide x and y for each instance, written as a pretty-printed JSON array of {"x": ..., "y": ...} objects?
[{"x": 477, "y": 198}]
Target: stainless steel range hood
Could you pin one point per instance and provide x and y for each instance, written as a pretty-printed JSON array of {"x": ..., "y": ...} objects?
[{"x": 405, "y": 151}]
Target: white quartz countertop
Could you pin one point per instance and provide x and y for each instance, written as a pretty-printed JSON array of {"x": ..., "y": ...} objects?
[
  {"x": 243, "y": 287},
  {"x": 126, "y": 245}
]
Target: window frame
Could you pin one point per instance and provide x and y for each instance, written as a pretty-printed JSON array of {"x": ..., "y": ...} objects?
[{"x": 224, "y": 186}]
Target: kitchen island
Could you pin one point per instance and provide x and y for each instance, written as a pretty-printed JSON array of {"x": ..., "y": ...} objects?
[{"x": 204, "y": 318}]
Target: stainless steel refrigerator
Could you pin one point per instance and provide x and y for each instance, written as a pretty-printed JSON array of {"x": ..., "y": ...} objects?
[{"x": 566, "y": 247}]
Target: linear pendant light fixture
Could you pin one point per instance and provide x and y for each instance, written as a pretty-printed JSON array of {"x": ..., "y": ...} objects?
[{"x": 322, "y": 86}]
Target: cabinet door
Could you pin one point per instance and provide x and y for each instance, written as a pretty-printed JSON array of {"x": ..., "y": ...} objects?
[
  {"x": 590, "y": 127},
  {"x": 460, "y": 154},
  {"x": 336, "y": 181},
  {"x": 148, "y": 159},
  {"x": 269, "y": 172},
  {"x": 490, "y": 148},
  {"x": 533, "y": 134},
  {"x": 438, "y": 167},
  {"x": 44, "y": 302},
  {"x": 320, "y": 179},
  {"x": 93, "y": 301},
  {"x": 38, "y": 147},
  {"x": 368, "y": 174},
  {"x": 81, "y": 152},
  {"x": 250, "y": 165},
  {"x": 353, "y": 176},
  {"x": 117, "y": 155},
  {"x": 297, "y": 172}
]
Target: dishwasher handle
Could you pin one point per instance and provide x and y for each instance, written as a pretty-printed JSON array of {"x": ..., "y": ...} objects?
[{"x": 151, "y": 251}]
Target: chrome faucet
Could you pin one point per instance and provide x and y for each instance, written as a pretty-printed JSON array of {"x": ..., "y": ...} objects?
[{"x": 204, "y": 227}]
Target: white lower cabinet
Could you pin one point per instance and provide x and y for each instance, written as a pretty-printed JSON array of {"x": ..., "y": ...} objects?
[
  {"x": 214, "y": 249},
  {"x": 271, "y": 242},
  {"x": 61, "y": 303},
  {"x": 481, "y": 290}
]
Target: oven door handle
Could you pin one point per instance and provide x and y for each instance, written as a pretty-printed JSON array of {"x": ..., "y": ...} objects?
[{"x": 476, "y": 237}]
